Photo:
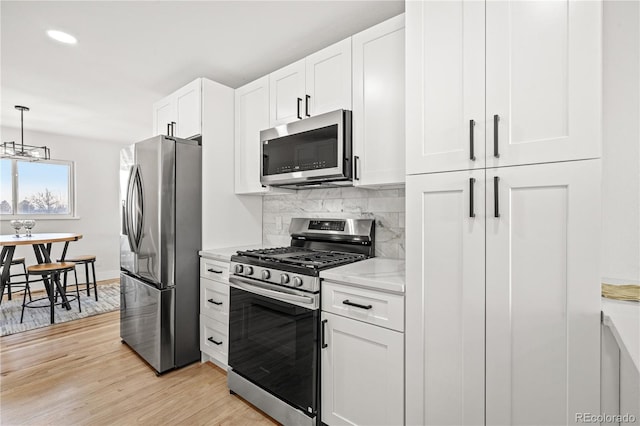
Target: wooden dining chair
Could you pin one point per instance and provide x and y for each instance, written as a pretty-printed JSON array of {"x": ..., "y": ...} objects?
[{"x": 52, "y": 272}]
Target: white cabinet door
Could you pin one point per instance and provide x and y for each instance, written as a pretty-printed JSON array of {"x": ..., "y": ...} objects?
[
  {"x": 542, "y": 293},
  {"x": 180, "y": 114},
  {"x": 252, "y": 116},
  {"x": 378, "y": 104},
  {"x": 544, "y": 71},
  {"x": 163, "y": 115},
  {"x": 188, "y": 109},
  {"x": 328, "y": 79},
  {"x": 445, "y": 299},
  {"x": 362, "y": 374},
  {"x": 286, "y": 88},
  {"x": 445, "y": 85}
]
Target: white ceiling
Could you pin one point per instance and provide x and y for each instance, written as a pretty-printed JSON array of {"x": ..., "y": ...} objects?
[{"x": 132, "y": 53}]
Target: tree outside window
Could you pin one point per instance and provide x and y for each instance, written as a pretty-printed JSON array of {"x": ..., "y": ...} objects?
[{"x": 36, "y": 188}]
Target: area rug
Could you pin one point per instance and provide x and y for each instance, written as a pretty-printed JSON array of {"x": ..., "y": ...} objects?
[{"x": 109, "y": 300}]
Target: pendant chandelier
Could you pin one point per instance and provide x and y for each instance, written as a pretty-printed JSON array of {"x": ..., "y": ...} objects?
[{"x": 20, "y": 150}]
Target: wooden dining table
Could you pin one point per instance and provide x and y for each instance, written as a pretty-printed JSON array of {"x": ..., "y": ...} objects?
[{"x": 42, "y": 244}]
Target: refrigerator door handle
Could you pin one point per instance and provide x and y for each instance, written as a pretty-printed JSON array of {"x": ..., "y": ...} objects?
[
  {"x": 139, "y": 207},
  {"x": 127, "y": 210}
]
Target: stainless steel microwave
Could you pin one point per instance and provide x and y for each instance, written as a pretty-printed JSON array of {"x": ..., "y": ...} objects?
[{"x": 312, "y": 151}]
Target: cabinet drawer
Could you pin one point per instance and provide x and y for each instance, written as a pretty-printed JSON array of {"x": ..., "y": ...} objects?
[
  {"x": 214, "y": 269},
  {"x": 214, "y": 300},
  {"x": 213, "y": 338},
  {"x": 383, "y": 309}
]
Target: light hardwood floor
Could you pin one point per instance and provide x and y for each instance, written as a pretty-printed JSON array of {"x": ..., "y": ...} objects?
[{"x": 79, "y": 373}]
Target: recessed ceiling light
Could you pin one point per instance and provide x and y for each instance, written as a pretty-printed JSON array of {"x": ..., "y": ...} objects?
[{"x": 62, "y": 37}]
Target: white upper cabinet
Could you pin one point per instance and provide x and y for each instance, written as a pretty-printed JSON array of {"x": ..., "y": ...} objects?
[
  {"x": 180, "y": 113},
  {"x": 317, "y": 84},
  {"x": 251, "y": 116},
  {"x": 542, "y": 83},
  {"x": 328, "y": 79},
  {"x": 379, "y": 104},
  {"x": 445, "y": 85},
  {"x": 287, "y": 93}
]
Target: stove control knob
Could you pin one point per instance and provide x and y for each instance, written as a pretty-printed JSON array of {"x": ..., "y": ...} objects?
[
  {"x": 284, "y": 278},
  {"x": 239, "y": 269},
  {"x": 248, "y": 270},
  {"x": 266, "y": 274},
  {"x": 297, "y": 281}
]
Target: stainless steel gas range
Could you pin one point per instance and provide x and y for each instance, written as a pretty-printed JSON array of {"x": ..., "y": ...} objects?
[{"x": 274, "y": 316}]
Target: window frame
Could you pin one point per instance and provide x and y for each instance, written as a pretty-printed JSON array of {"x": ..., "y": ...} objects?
[{"x": 71, "y": 185}]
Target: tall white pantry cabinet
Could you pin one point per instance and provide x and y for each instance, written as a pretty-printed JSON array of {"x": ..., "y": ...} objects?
[{"x": 503, "y": 211}]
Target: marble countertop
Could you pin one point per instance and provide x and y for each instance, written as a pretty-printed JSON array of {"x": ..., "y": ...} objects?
[
  {"x": 224, "y": 254},
  {"x": 378, "y": 273},
  {"x": 623, "y": 318}
]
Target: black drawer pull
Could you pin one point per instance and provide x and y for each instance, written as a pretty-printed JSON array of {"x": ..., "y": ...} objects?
[
  {"x": 214, "y": 302},
  {"x": 357, "y": 305},
  {"x": 214, "y": 271},
  {"x": 215, "y": 342}
]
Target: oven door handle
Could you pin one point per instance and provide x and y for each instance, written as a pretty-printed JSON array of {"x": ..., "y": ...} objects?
[{"x": 252, "y": 286}]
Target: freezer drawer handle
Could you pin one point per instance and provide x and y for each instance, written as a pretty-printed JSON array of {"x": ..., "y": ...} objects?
[
  {"x": 357, "y": 305},
  {"x": 214, "y": 302},
  {"x": 215, "y": 342},
  {"x": 214, "y": 271}
]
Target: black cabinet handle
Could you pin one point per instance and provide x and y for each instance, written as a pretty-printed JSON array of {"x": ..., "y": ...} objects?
[
  {"x": 307, "y": 98},
  {"x": 472, "y": 155},
  {"x": 323, "y": 343},
  {"x": 496, "y": 153},
  {"x": 168, "y": 129},
  {"x": 357, "y": 305},
  {"x": 356, "y": 160},
  {"x": 298, "y": 109},
  {"x": 214, "y": 302},
  {"x": 496, "y": 207},
  {"x": 472, "y": 181},
  {"x": 214, "y": 271},
  {"x": 215, "y": 342}
]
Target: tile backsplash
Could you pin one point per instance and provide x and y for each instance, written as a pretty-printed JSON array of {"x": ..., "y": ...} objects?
[{"x": 386, "y": 206}]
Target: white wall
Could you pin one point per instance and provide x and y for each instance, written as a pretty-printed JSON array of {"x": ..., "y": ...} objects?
[
  {"x": 97, "y": 199},
  {"x": 621, "y": 147}
]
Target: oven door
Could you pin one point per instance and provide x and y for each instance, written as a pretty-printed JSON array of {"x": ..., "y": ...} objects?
[{"x": 273, "y": 341}]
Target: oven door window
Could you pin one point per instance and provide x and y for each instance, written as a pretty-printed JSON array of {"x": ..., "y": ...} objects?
[
  {"x": 312, "y": 150},
  {"x": 274, "y": 345}
]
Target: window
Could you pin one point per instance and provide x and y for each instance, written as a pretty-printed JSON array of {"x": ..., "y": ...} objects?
[{"x": 36, "y": 188}]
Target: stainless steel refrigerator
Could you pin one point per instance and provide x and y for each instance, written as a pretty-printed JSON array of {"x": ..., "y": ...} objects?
[{"x": 161, "y": 218}]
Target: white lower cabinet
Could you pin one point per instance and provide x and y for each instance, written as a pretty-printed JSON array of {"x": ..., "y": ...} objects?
[
  {"x": 362, "y": 373},
  {"x": 214, "y": 311},
  {"x": 362, "y": 356},
  {"x": 503, "y": 305}
]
